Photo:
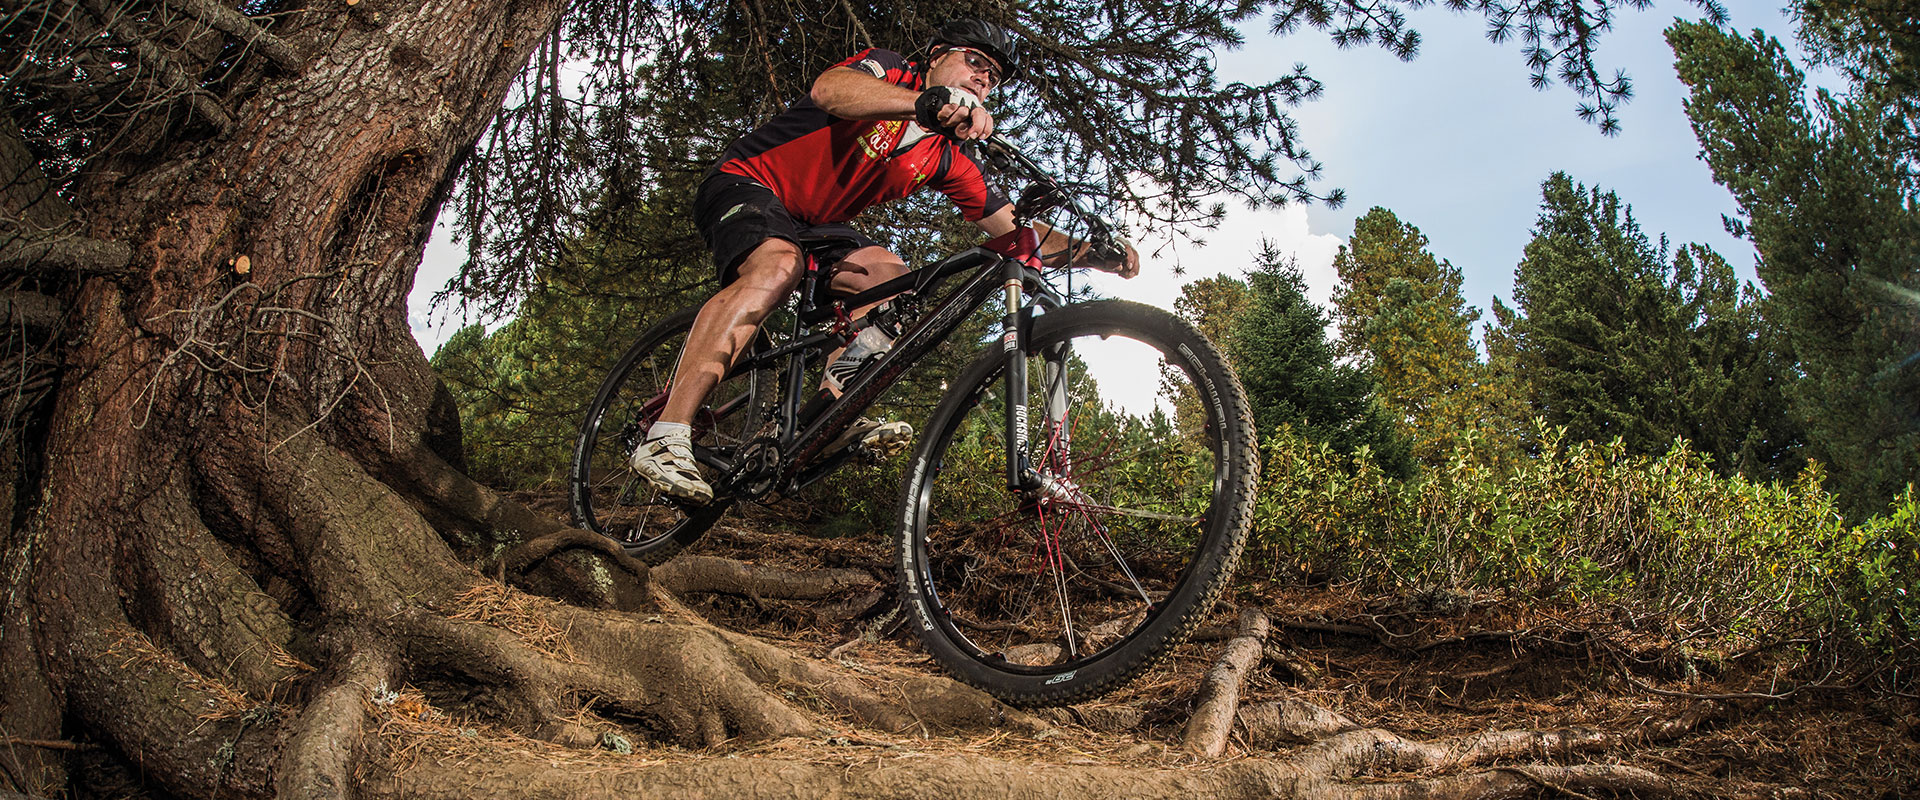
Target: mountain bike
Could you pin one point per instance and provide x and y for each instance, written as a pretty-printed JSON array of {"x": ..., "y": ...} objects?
[{"x": 1051, "y": 542}]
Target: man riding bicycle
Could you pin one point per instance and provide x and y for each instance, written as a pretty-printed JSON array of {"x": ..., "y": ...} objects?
[{"x": 874, "y": 128}]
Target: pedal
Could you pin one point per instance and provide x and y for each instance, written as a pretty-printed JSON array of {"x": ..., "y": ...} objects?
[{"x": 882, "y": 448}]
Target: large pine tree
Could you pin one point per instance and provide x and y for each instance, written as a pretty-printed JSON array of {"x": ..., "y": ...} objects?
[
  {"x": 1828, "y": 195},
  {"x": 1616, "y": 337}
]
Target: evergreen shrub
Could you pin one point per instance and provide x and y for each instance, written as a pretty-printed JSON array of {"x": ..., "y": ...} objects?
[{"x": 1722, "y": 559}]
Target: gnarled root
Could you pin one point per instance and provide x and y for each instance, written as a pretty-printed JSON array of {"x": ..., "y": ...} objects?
[
  {"x": 1288, "y": 722},
  {"x": 1220, "y": 691},
  {"x": 692, "y": 573},
  {"x": 320, "y": 755}
]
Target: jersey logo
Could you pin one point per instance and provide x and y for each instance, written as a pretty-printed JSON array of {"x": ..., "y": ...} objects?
[
  {"x": 874, "y": 67},
  {"x": 877, "y": 143}
]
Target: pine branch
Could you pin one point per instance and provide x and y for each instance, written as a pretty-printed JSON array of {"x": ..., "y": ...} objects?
[
  {"x": 233, "y": 23},
  {"x": 170, "y": 74}
]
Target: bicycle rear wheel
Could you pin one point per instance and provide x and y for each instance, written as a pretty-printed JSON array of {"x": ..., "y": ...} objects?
[
  {"x": 1055, "y": 595},
  {"x": 603, "y": 493}
]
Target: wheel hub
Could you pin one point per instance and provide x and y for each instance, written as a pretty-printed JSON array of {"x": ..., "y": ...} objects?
[{"x": 1058, "y": 490}]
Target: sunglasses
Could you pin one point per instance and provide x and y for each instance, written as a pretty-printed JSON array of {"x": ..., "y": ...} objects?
[{"x": 980, "y": 62}]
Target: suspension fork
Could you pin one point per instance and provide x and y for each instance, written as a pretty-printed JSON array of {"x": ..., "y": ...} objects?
[
  {"x": 1020, "y": 265},
  {"x": 1016, "y": 325}
]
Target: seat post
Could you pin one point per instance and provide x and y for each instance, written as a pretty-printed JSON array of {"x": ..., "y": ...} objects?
[{"x": 796, "y": 375}]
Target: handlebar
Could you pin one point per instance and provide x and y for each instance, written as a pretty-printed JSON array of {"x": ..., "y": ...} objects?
[{"x": 1044, "y": 193}]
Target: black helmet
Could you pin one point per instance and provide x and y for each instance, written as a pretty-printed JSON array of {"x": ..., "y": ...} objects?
[{"x": 981, "y": 36}]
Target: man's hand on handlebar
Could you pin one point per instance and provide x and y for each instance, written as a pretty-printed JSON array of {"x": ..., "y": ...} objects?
[
  {"x": 967, "y": 122},
  {"x": 1125, "y": 263}
]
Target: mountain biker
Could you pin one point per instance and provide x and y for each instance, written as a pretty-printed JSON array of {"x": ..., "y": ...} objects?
[{"x": 870, "y": 131}]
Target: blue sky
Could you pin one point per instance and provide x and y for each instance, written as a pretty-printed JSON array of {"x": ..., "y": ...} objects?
[{"x": 1455, "y": 142}]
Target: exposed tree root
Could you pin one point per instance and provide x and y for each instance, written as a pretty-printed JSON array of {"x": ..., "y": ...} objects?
[
  {"x": 453, "y": 501},
  {"x": 580, "y": 567},
  {"x": 151, "y": 697},
  {"x": 725, "y": 679},
  {"x": 694, "y": 573},
  {"x": 198, "y": 595},
  {"x": 320, "y": 757},
  {"x": 1220, "y": 691},
  {"x": 1519, "y": 782},
  {"x": 523, "y": 556},
  {"x": 1289, "y": 722}
]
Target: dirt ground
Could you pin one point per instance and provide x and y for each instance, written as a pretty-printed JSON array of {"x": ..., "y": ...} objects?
[{"x": 1425, "y": 668}]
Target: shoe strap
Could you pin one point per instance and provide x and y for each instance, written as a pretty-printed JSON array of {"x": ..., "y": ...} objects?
[{"x": 677, "y": 447}]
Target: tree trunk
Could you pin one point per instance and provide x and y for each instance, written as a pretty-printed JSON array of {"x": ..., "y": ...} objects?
[{"x": 217, "y": 513}]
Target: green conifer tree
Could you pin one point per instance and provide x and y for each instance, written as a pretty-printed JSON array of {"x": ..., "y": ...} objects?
[
  {"x": 1279, "y": 345},
  {"x": 1615, "y": 337},
  {"x": 1828, "y": 195},
  {"x": 1401, "y": 315}
]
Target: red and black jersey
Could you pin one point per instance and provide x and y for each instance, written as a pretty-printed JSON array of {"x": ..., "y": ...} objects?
[{"x": 826, "y": 169}]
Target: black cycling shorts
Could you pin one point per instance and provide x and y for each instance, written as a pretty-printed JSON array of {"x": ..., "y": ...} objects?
[{"x": 735, "y": 214}]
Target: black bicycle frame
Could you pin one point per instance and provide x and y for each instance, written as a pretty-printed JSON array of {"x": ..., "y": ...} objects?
[{"x": 1009, "y": 262}]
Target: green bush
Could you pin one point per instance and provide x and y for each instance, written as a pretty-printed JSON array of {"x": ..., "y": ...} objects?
[{"x": 1720, "y": 558}]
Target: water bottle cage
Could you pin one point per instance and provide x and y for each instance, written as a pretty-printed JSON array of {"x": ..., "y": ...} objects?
[{"x": 884, "y": 316}]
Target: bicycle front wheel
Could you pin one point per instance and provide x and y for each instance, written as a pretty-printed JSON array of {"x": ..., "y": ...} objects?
[
  {"x": 604, "y": 495},
  {"x": 1067, "y": 590}
]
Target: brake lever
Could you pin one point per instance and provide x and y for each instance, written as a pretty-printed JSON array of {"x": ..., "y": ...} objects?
[{"x": 998, "y": 157}]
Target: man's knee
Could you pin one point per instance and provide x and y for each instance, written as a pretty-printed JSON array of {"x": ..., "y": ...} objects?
[
  {"x": 866, "y": 268},
  {"x": 773, "y": 264}
]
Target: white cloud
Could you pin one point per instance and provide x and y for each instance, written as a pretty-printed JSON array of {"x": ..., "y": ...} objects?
[{"x": 1229, "y": 250}]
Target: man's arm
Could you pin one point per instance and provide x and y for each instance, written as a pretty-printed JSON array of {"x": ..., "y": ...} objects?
[
  {"x": 1000, "y": 222},
  {"x": 850, "y": 93}
]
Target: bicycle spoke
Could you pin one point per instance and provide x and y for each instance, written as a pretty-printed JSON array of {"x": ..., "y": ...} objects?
[
  {"x": 1056, "y": 564},
  {"x": 1113, "y": 550}
]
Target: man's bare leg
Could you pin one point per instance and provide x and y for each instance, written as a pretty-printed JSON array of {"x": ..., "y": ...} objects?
[
  {"x": 728, "y": 322},
  {"x": 720, "y": 333}
]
